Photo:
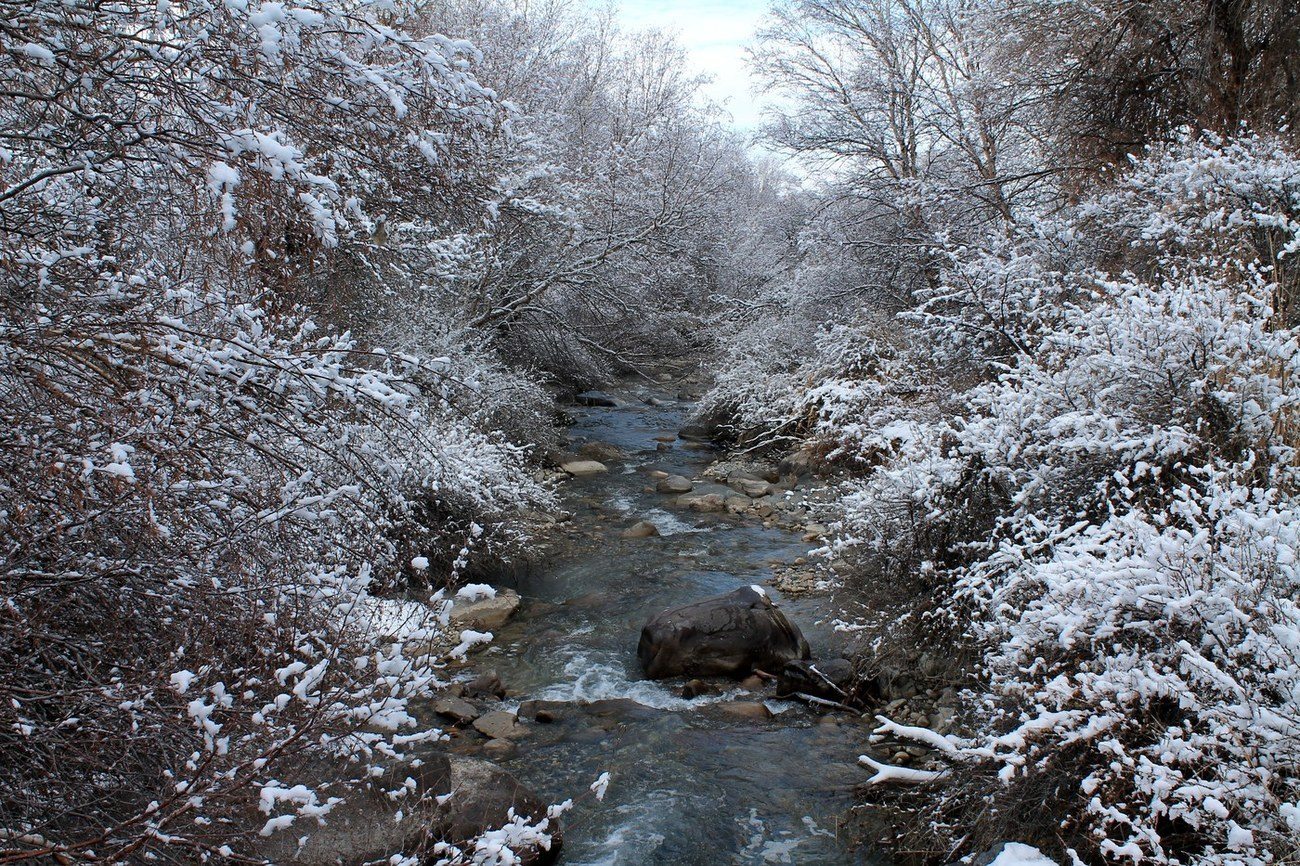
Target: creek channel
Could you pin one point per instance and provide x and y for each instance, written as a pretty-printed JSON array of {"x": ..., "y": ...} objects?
[{"x": 693, "y": 781}]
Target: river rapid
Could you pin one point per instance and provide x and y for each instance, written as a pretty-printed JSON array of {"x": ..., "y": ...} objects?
[{"x": 700, "y": 781}]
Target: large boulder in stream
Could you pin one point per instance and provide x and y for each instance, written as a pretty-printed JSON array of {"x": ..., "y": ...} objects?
[{"x": 730, "y": 635}]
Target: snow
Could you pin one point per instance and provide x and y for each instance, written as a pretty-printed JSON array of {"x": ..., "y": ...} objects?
[
  {"x": 1018, "y": 854},
  {"x": 474, "y": 591},
  {"x": 37, "y": 52}
]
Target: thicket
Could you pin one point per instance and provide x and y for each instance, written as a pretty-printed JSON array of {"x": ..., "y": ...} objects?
[
  {"x": 282, "y": 286},
  {"x": 1044, "y": 331}
]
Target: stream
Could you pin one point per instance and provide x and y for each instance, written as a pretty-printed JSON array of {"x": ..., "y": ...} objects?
[{"x": 693, "y": 781}]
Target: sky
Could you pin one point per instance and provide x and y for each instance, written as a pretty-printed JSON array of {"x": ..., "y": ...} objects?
[{"x": 714, "y": 33}]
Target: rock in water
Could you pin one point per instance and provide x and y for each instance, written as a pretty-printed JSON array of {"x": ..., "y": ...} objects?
[
  {"x": 641, "y": 529},
  {"x": 730, "y": 635},
  {"x": 675, "y": 484},
  {"x": 582, "y": 468},
  {"x": 500, "y": 726},
  {"x": 601, "y": 451}
]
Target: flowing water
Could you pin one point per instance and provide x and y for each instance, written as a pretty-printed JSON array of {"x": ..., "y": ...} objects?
[{"x": 692, "y": 782}]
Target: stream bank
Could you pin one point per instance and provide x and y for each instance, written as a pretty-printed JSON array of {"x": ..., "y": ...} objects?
[{"x": 734, "y": 776}]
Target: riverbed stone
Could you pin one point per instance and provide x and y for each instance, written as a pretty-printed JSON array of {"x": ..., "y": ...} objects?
[
  {"x": 728, "y": 635},
  {"x": 641, "y": 529},
  {"x": 746, "y": 709},
  {"x": 704, "y": 502},
  {"x": 542, "y": 711},
  {"x": 584, "y": 468},
  {"x": 486, "y": 685},
  {"x": 498, "y": 749},
  {"x": 738, "y": 504},
  {"x": 456, "y": 709},
  {"x": 601, "y": 451},
  {"x": 500, "y": 725},
  {"x": 697, "y": 687},
  {"x": 486, "y": 614},
  {"x": 675, "y": 484}
]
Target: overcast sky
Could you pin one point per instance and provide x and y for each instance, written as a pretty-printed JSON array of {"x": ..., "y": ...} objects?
[{"x": 715, "y": 33}]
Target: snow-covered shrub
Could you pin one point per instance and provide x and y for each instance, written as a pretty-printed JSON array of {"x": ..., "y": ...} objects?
[
  {"x": 994, "y": 302},
  {"x": 1111, "y": 527},
  {"x": 834, "y": 386},
  {"x": 199, "y": 486}
]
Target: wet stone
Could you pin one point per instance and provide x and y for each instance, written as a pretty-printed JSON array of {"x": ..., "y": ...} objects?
[
  {"x": 500, "y": 726},
  {"x": 697, "y": 688},
  {"x": 675, "y": 484},
  {"x": 456, "y": 709},
  {"x": 641, "y": 529}
]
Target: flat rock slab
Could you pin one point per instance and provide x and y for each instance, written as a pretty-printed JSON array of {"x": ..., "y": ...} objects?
[
  {"x": 500, "y": 726},
  {"x": 583, "y": 468},
  {"x": 456, "y": 709},
  {"x": 751, "y": 487}
]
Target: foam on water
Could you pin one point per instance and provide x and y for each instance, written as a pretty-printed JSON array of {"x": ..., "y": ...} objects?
[
  {"x": 587, "y": 679},
  {"x": 670, "y": 524}
]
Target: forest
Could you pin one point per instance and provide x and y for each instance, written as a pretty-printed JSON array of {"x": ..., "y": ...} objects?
[{"x": 300, "y": 300}]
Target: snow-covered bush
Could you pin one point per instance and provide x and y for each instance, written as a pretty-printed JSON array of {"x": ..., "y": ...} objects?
[
  {"x": 200, "y": 487},
  {"x": 1111, "y": 527},
  {"x": 782, "y": 384}
]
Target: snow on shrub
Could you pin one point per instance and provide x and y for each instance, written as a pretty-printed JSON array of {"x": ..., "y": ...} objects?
[
  {"x": 1112, "y": 527},
  {"x": 836, "y": 385},
  {"x": 201, "y": 484}
]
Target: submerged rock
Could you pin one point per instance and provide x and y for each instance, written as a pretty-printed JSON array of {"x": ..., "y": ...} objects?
[
  {"x": 696, "y": 688},
  {"x": 730, "y": 635},
  {"x": 746, "y": 709}
]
